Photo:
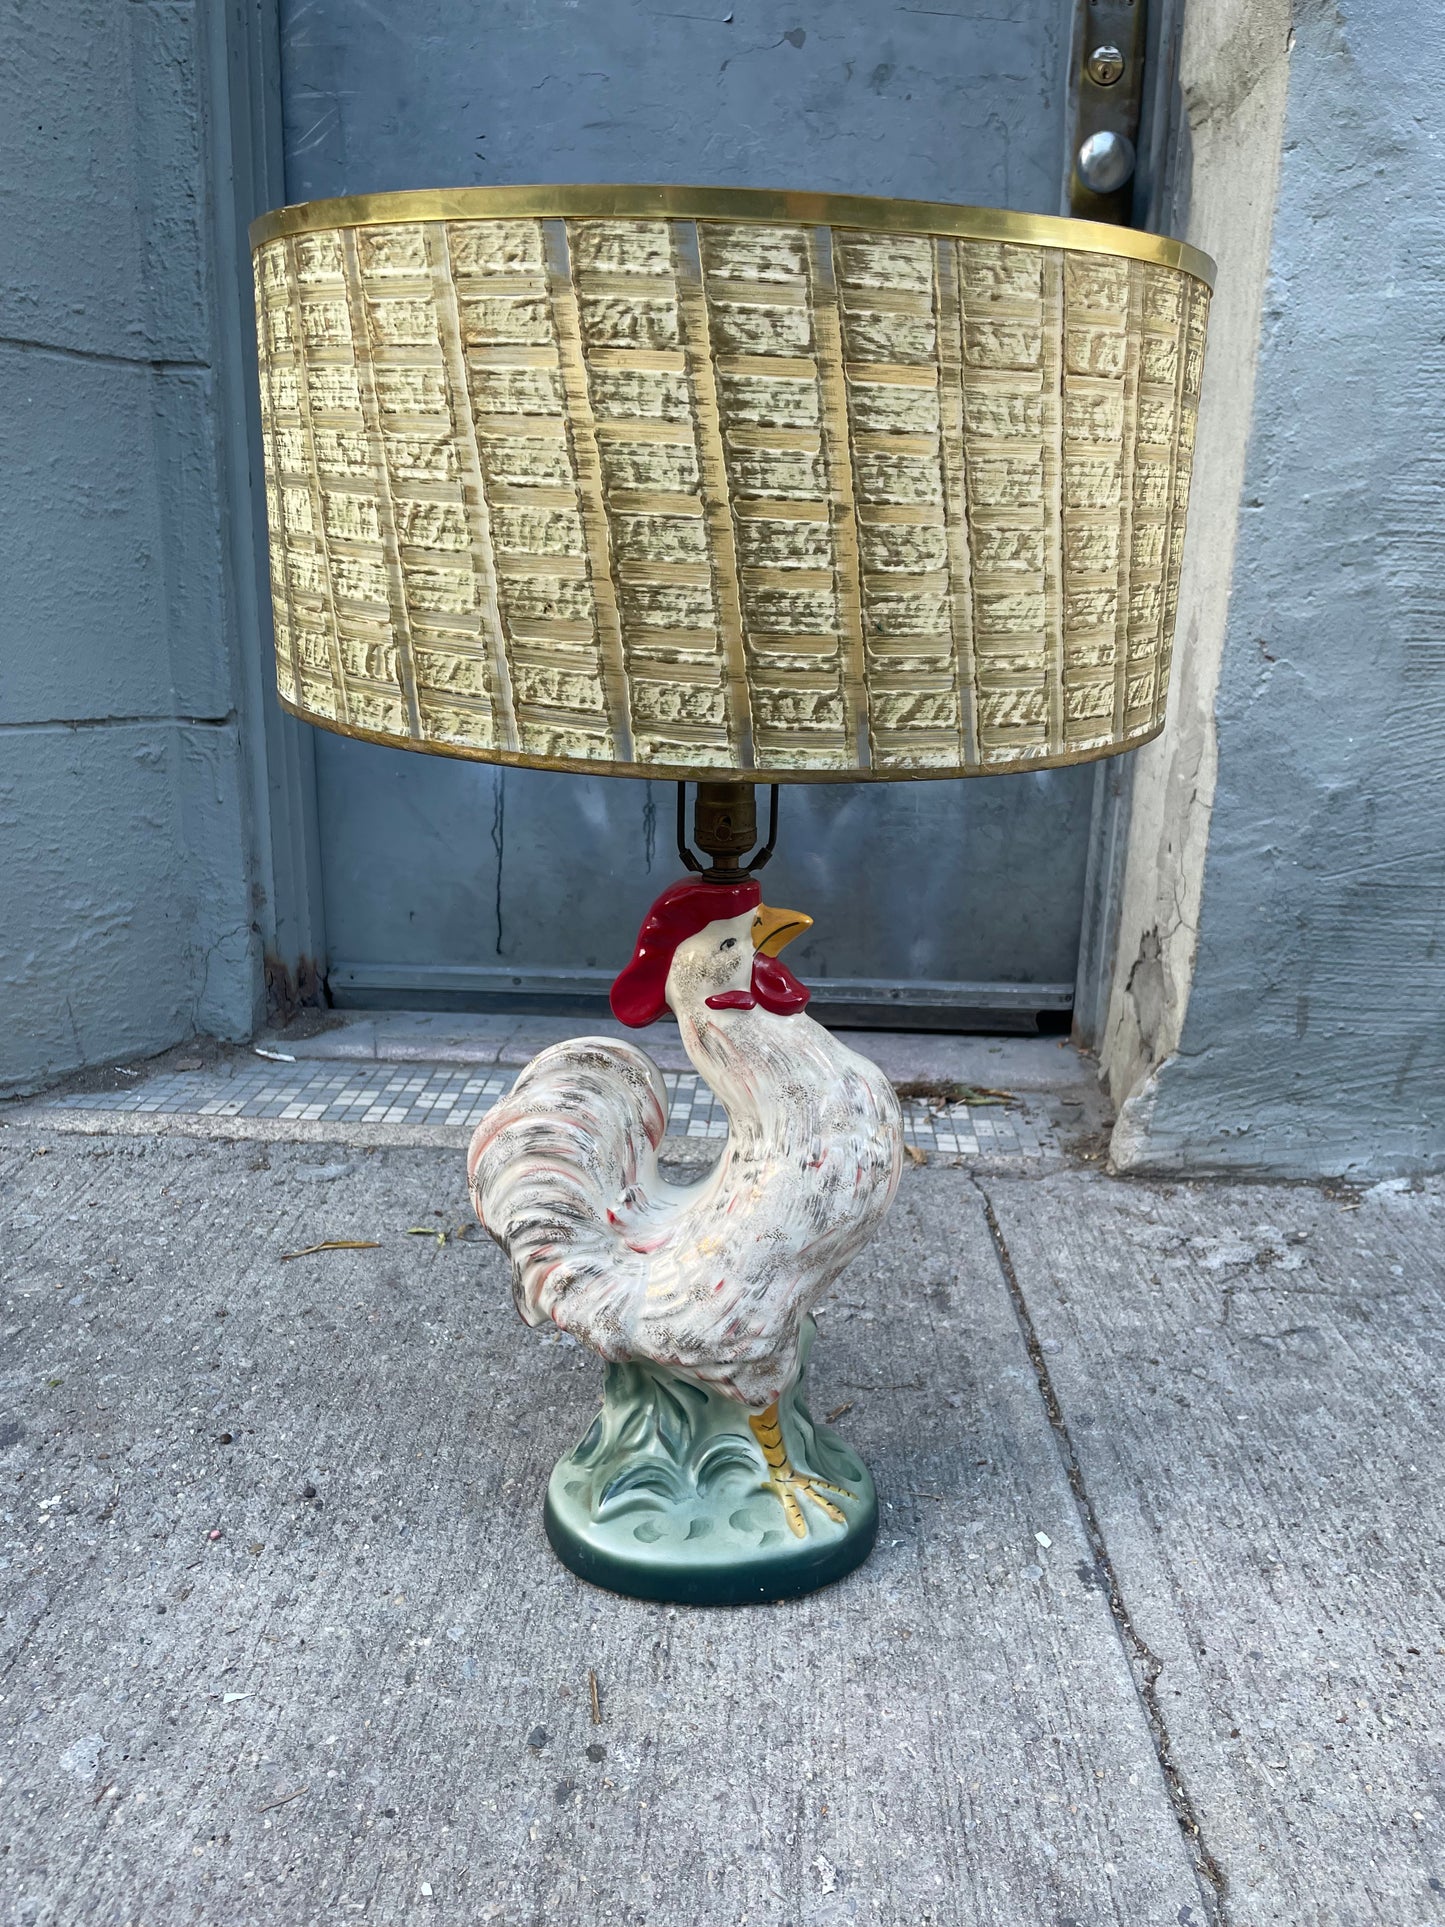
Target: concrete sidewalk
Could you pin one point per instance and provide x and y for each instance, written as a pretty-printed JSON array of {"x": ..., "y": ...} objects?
[{"x": 1151, "y": 1635}]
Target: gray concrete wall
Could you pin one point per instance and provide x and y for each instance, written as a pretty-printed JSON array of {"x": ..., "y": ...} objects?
[
  {"x": 126, "y": 919},
  {"x": 1309, "y": 1040}
]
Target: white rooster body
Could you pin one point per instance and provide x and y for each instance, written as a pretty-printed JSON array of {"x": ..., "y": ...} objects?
[{"x": 712, "y": 1279}]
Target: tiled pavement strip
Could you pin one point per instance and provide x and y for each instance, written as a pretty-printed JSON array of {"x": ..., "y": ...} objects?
[{"x": 458, "y": 1096}]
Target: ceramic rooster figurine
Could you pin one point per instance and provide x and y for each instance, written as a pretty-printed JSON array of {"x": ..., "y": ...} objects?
[{"x": 703, "y": 1478}]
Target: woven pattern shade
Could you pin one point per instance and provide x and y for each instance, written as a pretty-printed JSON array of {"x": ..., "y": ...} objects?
[{"x": 780, "y": 498}]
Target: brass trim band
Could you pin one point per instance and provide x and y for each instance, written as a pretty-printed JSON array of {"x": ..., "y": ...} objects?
[
  {"x": 870, "y": 212},
  {"x": 707, "y": 772}
]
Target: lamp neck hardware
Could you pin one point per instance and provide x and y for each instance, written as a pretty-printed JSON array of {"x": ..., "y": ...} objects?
[{"x": 725, "y": 829}]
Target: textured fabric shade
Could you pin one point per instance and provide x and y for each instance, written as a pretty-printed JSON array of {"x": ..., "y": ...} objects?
[{"x": 685, "y": 481}]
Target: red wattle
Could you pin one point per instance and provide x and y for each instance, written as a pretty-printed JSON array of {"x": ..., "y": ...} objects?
[
  {"x": 732, "y": 1000},
  {"x": 777, "y": 989},
  {"x": 774, "y": 987}
]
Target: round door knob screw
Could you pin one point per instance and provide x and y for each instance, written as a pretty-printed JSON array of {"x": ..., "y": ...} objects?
[
  {"x": 1105, "y": 162},
  {"x": 1105, "y": 65}
]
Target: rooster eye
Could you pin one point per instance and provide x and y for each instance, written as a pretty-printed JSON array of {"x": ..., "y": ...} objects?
[{"x": 729, "y": 943}]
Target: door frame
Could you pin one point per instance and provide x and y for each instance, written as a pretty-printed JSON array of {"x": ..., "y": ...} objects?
[
  {"x": 1160, "y": 201},
  {"x": 241, "y": 47}
]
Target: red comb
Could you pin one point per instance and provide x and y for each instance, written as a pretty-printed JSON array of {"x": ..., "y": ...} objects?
[{"x": 639, "y": 995}]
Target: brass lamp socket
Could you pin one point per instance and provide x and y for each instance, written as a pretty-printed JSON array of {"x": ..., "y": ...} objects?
[{"x": 725, "y": 827}]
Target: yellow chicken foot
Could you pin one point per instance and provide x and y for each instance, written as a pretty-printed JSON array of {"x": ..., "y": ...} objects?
[{"x": 767, "y": 1429}]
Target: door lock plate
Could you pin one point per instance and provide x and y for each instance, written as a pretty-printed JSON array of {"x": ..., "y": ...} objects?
[{"x": 1109, "y": 45}]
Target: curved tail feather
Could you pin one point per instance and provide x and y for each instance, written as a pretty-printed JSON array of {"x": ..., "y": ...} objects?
[{"x": 558, "y": 1168}]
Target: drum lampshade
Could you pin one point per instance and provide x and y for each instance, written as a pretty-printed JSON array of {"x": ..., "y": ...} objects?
[{"x": 745, "y": 485}]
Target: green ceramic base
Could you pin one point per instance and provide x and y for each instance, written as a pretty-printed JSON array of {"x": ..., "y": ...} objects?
[{"x": 667, "y": 1497}]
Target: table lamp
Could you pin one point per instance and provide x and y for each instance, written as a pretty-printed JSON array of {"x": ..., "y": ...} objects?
[{"x": 732, "y": 488}]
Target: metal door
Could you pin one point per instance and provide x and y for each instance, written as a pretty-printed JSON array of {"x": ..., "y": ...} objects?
[{"x": 457, "y": 885}]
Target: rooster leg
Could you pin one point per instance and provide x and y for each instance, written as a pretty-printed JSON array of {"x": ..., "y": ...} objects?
[{"x": 767, "y": 1429}]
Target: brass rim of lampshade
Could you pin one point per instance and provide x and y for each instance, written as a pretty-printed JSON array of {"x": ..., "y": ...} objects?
[
  {"x": 602, "y": 202},
  {"x": 715, "y": 772}
]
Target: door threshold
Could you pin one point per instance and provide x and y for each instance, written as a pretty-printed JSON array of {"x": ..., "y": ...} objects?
[
  {"x": 482, "y": 1041},
  {"x": 847, "y": 1003}
]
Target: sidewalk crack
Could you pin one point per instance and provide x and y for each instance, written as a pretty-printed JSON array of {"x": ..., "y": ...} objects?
[{"x": 1144, "y": 1666}]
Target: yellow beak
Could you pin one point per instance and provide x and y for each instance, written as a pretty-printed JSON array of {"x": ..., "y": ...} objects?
[{"x": 773, "y": 928}]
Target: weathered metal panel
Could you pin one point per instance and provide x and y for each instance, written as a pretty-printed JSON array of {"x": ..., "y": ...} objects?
[{"x": 959, "y": 883}]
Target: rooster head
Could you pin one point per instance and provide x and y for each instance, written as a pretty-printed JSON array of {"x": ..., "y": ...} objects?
[{"x": 710, "y": 943}]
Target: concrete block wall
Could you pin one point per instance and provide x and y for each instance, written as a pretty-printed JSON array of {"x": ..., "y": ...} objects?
[
  {"x": 126, "y": 912},
  {"x": 1277, "y": 1006}
]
